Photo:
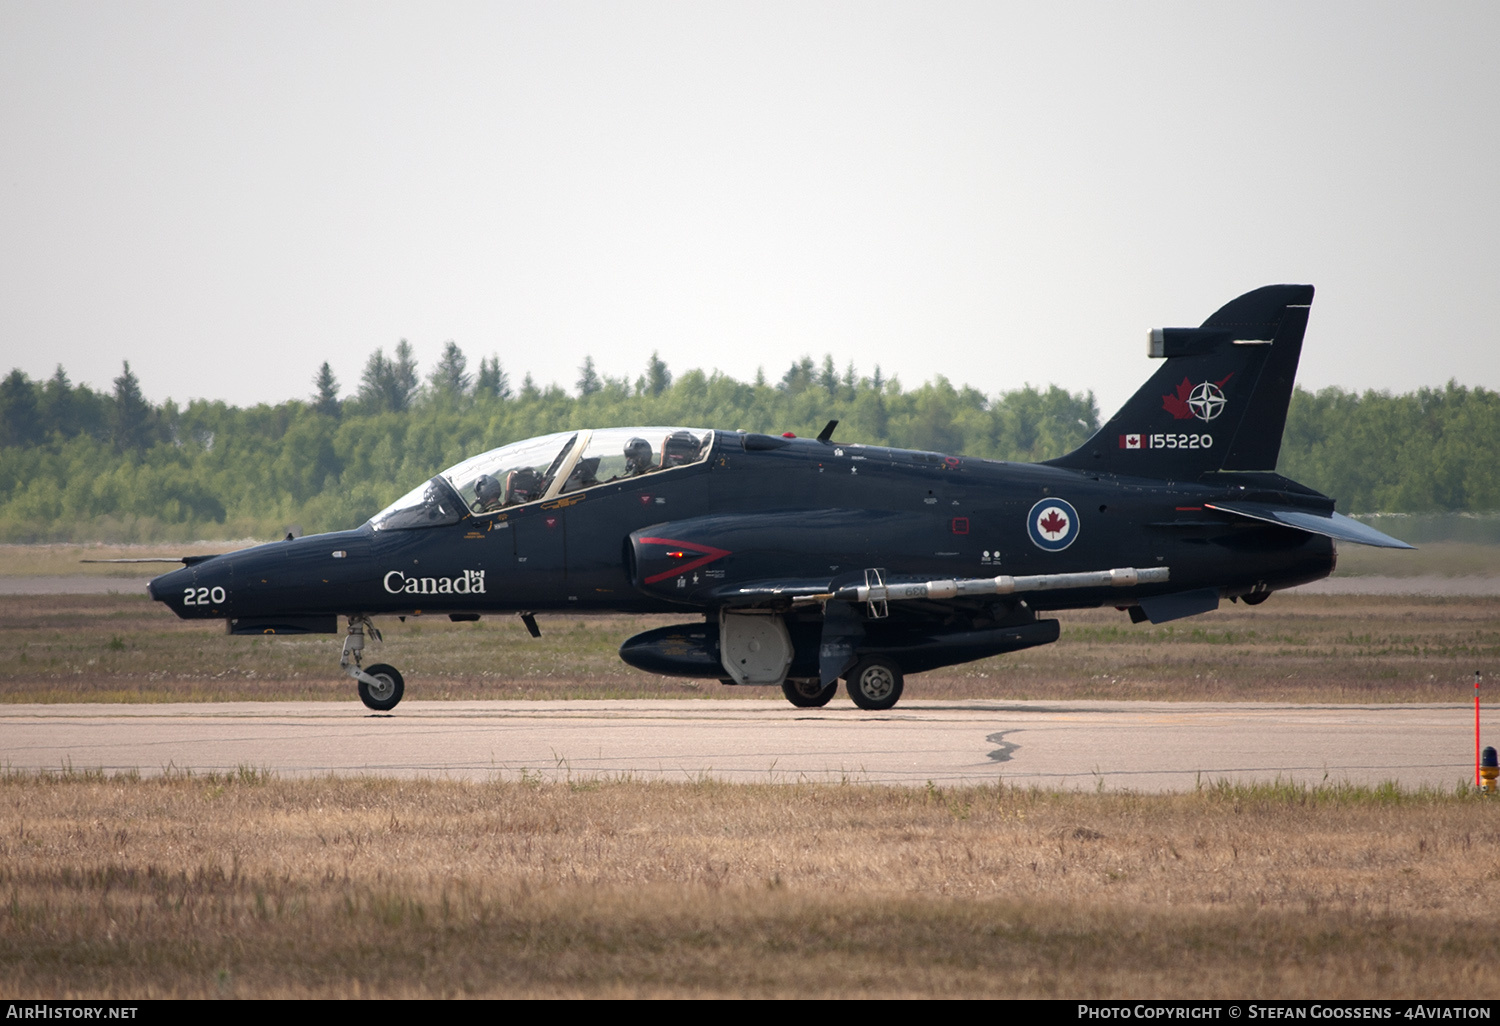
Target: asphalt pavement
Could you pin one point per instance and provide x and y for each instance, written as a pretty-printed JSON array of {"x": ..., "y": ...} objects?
[{"x": 1143, "y": 746}]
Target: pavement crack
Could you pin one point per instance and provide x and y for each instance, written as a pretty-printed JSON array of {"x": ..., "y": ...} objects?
[{"x": 1006, "y": 749}]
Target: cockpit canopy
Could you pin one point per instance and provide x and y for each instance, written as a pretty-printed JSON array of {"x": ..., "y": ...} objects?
[{"x": 542, "y": 468}]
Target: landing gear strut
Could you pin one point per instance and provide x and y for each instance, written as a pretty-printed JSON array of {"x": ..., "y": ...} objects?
[{"x": 380, "y": 686}]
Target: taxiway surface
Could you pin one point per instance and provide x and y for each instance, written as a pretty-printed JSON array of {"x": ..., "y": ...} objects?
[{"x": 1144, "y": 746}]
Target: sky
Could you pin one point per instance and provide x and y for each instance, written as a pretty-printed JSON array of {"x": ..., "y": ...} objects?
[{"x": 228, "y": 194}]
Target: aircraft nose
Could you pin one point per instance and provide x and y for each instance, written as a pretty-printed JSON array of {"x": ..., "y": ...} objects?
[
  {"x": 200, "y": 591},
  {"x": 169, "y": 583}
]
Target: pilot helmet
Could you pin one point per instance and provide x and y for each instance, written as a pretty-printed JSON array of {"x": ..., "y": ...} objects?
[
  {"x": 680, "y": 449},
  {"x": 487, "y": 490},
  {"x": 638, "y": 453}
]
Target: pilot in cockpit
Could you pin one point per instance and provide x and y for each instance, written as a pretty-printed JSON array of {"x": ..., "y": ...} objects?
[
  {"x": 638, "y": 458},
  {"x": 488, "y": 494}
]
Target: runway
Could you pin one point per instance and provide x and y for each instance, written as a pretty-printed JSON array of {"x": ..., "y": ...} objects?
[{"x": 1141, "y": 746}]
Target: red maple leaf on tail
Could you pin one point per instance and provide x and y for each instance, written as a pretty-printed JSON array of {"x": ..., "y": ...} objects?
[
  {"x": 1177, "y": 404},
  {"x": 1052, "y": 523}
]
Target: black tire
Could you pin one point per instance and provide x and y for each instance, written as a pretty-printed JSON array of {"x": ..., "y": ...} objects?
[
  {"x": 875, "y": 683},
  {"x": 808, "y": 694},
  {"x": 385, "y": 697}
]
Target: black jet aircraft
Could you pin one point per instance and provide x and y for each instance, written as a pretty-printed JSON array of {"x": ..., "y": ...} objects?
[{"x": 799, "y": 561}]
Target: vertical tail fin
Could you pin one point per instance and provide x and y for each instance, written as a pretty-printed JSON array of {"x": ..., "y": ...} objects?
[{"x": 1219, "y": 400}]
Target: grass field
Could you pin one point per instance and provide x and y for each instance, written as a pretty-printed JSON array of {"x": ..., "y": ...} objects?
[
  {"x": 1300, "y": 648},
  {"x": 250, "y": 886}
]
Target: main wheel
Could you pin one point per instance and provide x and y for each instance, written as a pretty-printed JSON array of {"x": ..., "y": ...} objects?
[
  {"x": 383, "y": 696},
  {"x": 807, "y": 693},
  {"x": 875, "y": 683}
]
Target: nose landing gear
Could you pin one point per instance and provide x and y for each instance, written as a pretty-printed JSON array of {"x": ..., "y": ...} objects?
[
  {"x": 380, "y": 686},
  {"x": 387, "y": 689}
]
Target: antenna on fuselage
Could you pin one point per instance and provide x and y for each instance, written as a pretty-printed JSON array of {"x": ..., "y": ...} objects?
[{"x": 827, "y": 433}]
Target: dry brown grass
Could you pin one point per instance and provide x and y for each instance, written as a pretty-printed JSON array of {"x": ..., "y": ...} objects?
[
  {"x": 1296, "y": 648},
  {"x": 256, "y": 887}
]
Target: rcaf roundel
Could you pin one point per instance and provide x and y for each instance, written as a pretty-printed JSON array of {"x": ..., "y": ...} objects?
[{"x": 1052, "y": 524}]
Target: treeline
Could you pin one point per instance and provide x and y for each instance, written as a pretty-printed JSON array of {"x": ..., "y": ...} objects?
[
  {"x": 85, "y": 465},
  {"x": 1434, "y": 450}
]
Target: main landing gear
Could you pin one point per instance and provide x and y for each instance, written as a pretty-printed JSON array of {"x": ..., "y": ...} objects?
[
  {"x": 875, "y": 683},
  {"x": 380, "y": 686},
  {"x": 808, "y": 692}
]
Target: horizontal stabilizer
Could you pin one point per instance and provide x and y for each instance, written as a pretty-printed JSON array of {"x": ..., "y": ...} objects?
[{"x": 1334, "y": 525}]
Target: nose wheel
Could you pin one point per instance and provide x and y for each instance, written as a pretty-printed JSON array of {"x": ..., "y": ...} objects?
[
  {"x": 387, "y": 689},
  {"x": 380, "y": 686}
]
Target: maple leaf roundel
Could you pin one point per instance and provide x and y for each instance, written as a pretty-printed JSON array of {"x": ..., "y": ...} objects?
[
  {"x": 1052, "y": 524},
  {"x": 1204, "y": 400}
]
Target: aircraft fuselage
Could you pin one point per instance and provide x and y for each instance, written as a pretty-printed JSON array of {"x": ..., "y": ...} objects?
[{"x": 802, "y": 509}]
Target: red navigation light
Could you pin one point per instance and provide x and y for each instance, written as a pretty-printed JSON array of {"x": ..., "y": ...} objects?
[{"x": 787, "y": 434}]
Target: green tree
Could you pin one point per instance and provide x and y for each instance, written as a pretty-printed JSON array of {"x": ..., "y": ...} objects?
[
  {"x": 799, "y": 377},
  {"x": 59, "y": 406},
  {"x": 871, "y": 419},
  {"x": 828, "y": 377},
  {"x": 20, "y": 423},
  {"x": 492, "y": 382},
  {"x": 450, "y": 379},
  {"x": 132, "y": 415},
  {"x": 657, "y": 378},
  {"x": 377, "y": 384},
  {"x": 588, "y": 379},
  {"x": 326, "y": 396},
  {"x": 387, "y": 385},
  {"x": 404, "y": 375}
]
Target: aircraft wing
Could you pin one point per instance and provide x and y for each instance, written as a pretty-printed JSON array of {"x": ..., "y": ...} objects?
[{"x": 1332, "y": 525}]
